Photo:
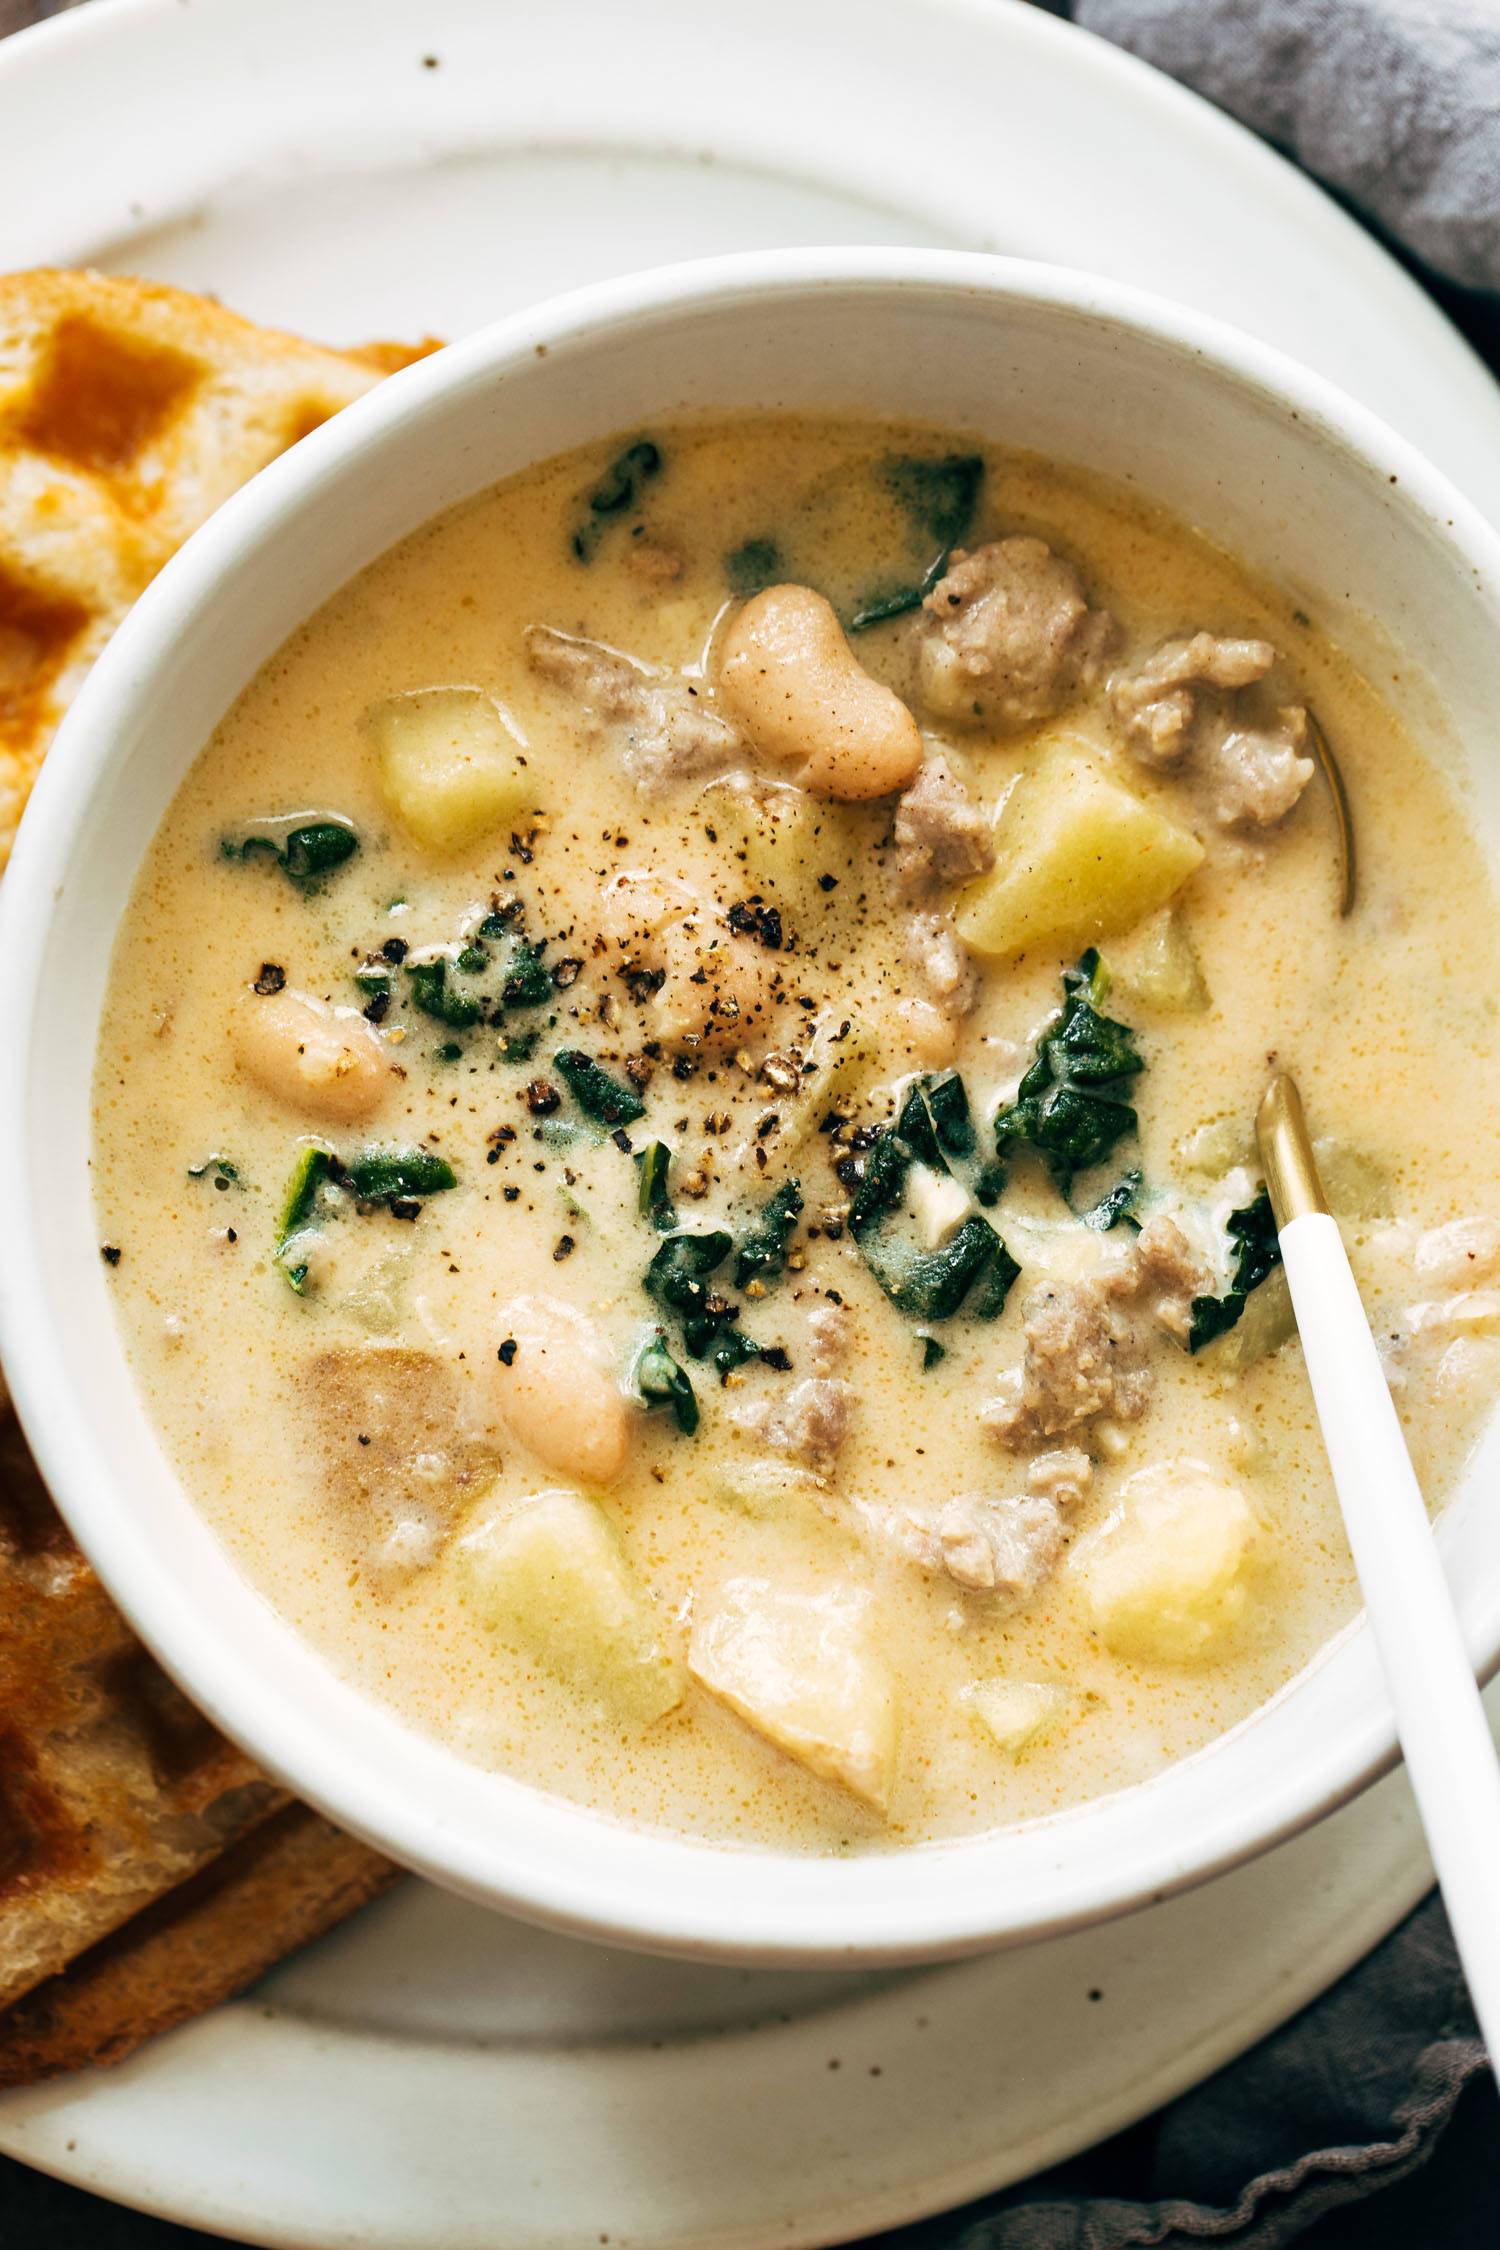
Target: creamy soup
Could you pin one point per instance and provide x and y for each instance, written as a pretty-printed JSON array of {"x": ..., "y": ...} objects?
[{"x": 674, "y": 1129}]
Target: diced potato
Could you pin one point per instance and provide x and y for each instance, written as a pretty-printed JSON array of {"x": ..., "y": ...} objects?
[
  {"x": 770, "y": 1491},
  {"x": 1015, "y": 1712},
  {"x": 451, "y": 769},
  {"x": 787, "y": 839},
  {"x": 1161, "y": 967},
  {"x": 1214, "y": 1148},
  {"x": 1266, "y": 1323},
  {"x": 802, "y": 1670},
  {"x": 1358, "y": 1186},
  {"x": 549, "y": 1572},
  {"x": 1166, "y": 1576},
  {"x": 1077, "y": 857}
]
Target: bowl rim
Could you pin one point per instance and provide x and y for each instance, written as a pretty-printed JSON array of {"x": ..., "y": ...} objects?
[{"x": 591, "y": 1896}]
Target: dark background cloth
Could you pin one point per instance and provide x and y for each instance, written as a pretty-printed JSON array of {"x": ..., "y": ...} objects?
[{"x": 1370, "y": 2122}]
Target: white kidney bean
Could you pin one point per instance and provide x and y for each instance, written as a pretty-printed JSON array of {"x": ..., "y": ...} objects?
[
  {"x": 794, "y": 685},
  {"x": 321, "y": 1061},
  {"x": 556, "y": 1393}
]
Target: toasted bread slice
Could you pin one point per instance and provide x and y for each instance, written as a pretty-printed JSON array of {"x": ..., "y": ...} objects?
[
  {"x": 112, "y": 1788},
  {"x": 288, "y": 1881},
  {"x": 128, "y": 412}
]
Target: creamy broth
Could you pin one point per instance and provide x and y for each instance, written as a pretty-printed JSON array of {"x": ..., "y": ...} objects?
[{"x": 920, "y": 1571}]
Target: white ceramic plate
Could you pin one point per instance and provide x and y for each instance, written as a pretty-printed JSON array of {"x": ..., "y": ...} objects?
[{"x": 434, "y": 2077}]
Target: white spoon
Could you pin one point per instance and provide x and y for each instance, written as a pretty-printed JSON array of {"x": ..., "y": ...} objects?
[{"x": 1439, "y": 1717}]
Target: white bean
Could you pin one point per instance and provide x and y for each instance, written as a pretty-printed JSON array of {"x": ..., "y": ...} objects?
[
  {"x": 790, "y": 679},
  {"x": 556, "y": 1393},
  {"x": 321, "y": 1061}
]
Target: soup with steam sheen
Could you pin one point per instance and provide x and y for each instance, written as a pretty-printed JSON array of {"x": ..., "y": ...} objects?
[{"x": 673, "y": 1129}]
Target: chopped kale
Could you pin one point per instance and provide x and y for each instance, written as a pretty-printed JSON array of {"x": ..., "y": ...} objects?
[
  {"x": 430, "y": 991},
  {"x": 306, "y": 853},
  {"x": 879, "y": 607},
  {"x": 528, "y": 982},
  {"x": 882, "y": 1184},
  {"x": 677, "y": 1280},
  {"x": 397, "y": 1178},
  {"x": 317, "y": 849},
  {"x": 615, "y": 494},
  {"x": 224, "y": 1173},
  {"x": 378, "y": 1174},
  {"x": 754, "y": 566},
  {"x": 1070, "y": 1104},
  {"x": 932, "y": 1352},
  {"x": 652, "y": 1199},
  {"x": 520, "y": 1047},
  {"x": 941, "y": 497},
  {"x": 935, "y": 1122},
  {"x": 762, "y": 1255},
  {"x": 461, "y": 985},
  {"x": 933, "y": 1284},
  {"x": 948, "y": 1107},
  {"x": 973, "y": 1264},
  {"x": 599, "y": 1096},
  {"x": 1116, "y": 1207},
  {"x": 661, "y": 1381},
  {"x": 751, "y": 917},
  {"x": 1257, "y": 1254},
  {"x": 315, "y": 1167},
  {"x": 730, "y": 1349}
]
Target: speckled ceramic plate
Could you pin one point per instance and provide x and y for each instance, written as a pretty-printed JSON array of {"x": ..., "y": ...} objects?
[{"x": 435, "y": 2078}]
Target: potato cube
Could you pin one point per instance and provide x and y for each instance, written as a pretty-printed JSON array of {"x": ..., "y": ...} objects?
[
  {"x": 1166, "y": 1576},
  {"x": 451, "y": 769},
  {"x": 1266, "y": 1323},
  {"x": 1161, "y": 967},
  {"x": 548, "y": 1572},
  {"x": 802, "y": 1670},
  {"x": 1015, "y": 1712},
  {"x": 1078, "y": 856}
]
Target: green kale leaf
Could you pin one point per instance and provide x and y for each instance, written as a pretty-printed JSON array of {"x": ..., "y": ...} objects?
[
  {"x": 1070, "y": 1105},
  {"x": 1257, "y": 1254}
]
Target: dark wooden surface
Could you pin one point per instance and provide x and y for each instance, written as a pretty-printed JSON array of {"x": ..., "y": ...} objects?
[{"x": 1454, "y": 2204}]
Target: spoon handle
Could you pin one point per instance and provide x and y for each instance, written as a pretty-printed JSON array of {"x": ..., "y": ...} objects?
[{"x": 1441, "y": 1721}]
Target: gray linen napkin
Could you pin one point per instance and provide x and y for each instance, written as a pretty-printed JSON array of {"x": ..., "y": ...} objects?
[
  {"x": 1347, "y": 2099},
  {"x": 1394, "y": 103}
]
